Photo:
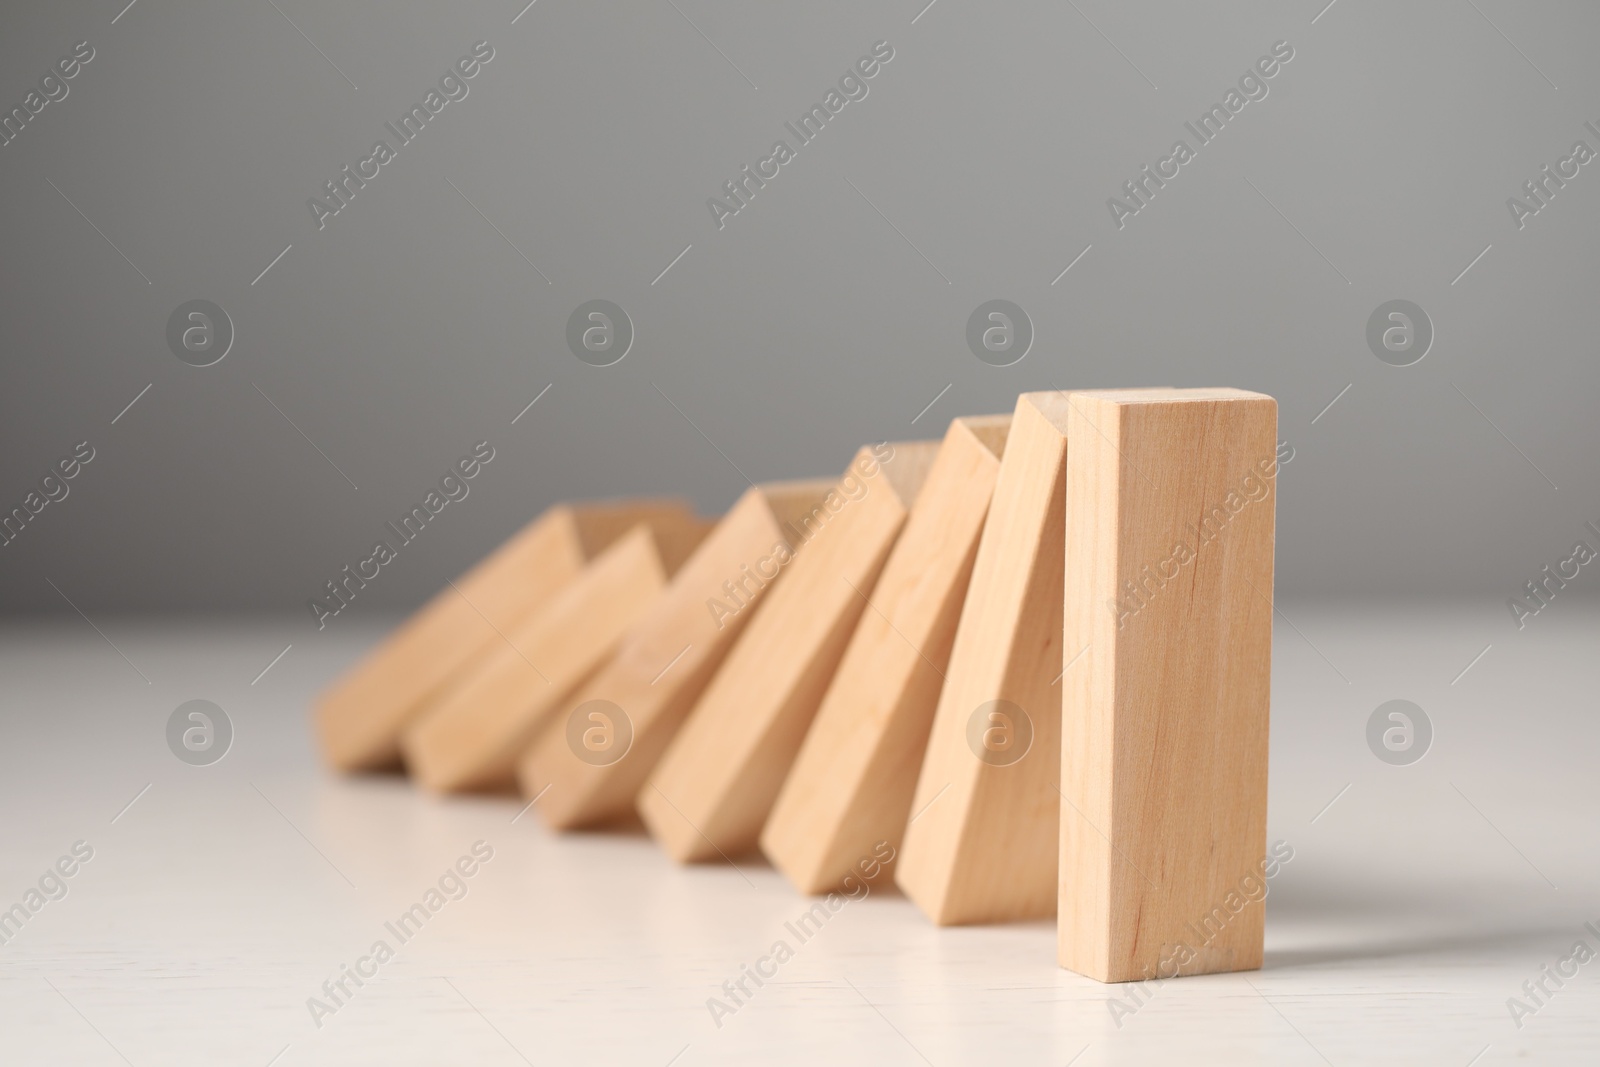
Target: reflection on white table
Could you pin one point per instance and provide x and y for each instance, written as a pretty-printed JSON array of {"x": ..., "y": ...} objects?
[{"x": 231, "y": 913}]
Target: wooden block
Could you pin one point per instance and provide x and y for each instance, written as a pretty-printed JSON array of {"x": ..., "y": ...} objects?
[
  {"x": 981, "y": 843},
  {"x": 1164, "y": 761},
  {"x": 852, "y": 782},
  {"x": 622, "y": 718},
  {"x": 470, "y": 736},
  {"x": 712, "y": 790},
  {"x": 360, "y": 717}
]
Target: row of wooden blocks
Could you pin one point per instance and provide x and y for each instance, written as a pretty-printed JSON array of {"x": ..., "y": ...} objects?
[{"x": 1033, "y": 658}]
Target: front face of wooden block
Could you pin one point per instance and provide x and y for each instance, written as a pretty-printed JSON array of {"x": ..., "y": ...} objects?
[
  {"x": 471, "y": 736},
  {"x": 981, "y": 845},
  {"x": 360, "y": 718},
  {"x": 852, "y": 782},
  {"x": 1169, "y": 575},
  {"x": 607, "y": 737},
  {"x": 717, "y": 782}
]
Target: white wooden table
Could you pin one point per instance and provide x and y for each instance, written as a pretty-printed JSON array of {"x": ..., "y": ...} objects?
[{"x": 223, "y": 897}]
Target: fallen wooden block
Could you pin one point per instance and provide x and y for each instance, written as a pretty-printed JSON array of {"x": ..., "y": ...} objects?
[
  {"x": 713, "y": 788},
  {"x": 852, "y": 782},
  {"x": 981, "y": 842},
  {"x": 470, "y": 736},
  {"x": 361, "y": 716},
  {"x": 587, "y": 768},
  {"x": 1164, "y": 757}
]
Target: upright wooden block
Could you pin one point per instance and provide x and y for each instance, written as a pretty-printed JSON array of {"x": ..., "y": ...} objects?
[
  {"x": 1164, "y": 760},
  {"x": 852, "y": 782},
  {"x": 713, "y": 789},
  {"x": 361, "y": 716},
  {"x": 608, "y": 735},
  {"x": 981, "y": 843},
  {"x": 470, "y": 736}
]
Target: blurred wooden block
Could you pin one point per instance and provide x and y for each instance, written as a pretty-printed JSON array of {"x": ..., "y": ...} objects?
[
  {"x": 1164, "y": 761},
  {"x": 852, "y": 782},
  {"x": 360, "y": 717},
  {"x": 608, "y": 735},
  {"x": 712, "y": 790},
  {"x": 470, "y": 736},
  {"x": 981, "y": 843}
]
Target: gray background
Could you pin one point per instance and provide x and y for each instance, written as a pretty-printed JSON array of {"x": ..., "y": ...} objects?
[{"x": 409, "y": 328}]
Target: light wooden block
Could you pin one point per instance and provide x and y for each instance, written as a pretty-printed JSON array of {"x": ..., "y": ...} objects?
[
  {"x": 719, "y": 778},
  {"x": 1170, "y": 512},
  {"x": 713, "y": 789},
  {"x": 361, "y": 716},
  {"x": 470, "y": 736},
  {"x": 664, "y": 662},
  {"x": 852, "y": 782},
  {"x": 981, "y": 843}
]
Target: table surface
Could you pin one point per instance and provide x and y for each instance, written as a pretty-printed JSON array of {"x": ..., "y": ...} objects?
[{"x": 219, "y": 899}]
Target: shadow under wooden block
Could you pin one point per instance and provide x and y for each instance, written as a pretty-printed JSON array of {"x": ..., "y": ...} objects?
[
  {"x": 360, "y": 717},
  {"x": 851, "y": 785},
  {"x": 981, "y": 842},
  {"x": 588, "y": 766},
  {"x": 470, "y": 736},
  {"x": 712, "y": 790},
  {"x": 1164, "y": 758}
]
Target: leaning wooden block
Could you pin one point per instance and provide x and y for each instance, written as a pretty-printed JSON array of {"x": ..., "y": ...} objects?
[
  {"x": 981, "y": 843},
  {"x": 852, "y": 782},
  {"x": 471, "y": 735},
  {"x": 1164, "y": 757},
  {"x": 714, "y": 787},
  {"x": 361, "y": 716},
  {"x": 606, "y": 737}
]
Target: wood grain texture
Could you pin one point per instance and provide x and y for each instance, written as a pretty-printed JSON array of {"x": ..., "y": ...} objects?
[
  {"x": 981, "y": 843},
  {"x": 1164, "y": 762},
  {"x": 852, "y": 782},
  {"x": 470, "y": 736},
  {"x": 663, "y": 664},
  {"x": 714, "y": 787},
  {"x": 360, "y": 717}
]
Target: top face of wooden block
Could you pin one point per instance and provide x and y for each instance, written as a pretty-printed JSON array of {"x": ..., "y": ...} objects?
[
  {"x": 1054, "y": 405},
  {"x": 990, "y": 431},
  {"x": 905, "y": 466},
  {"x": 1166, "y": 395},
  {"x": 790, "y": 501},
  {"x": 597, "y": 525},
  {"x": 803, "y": 508}
]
